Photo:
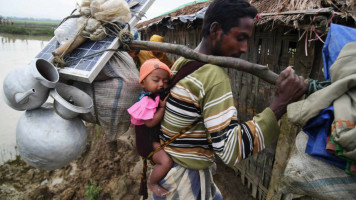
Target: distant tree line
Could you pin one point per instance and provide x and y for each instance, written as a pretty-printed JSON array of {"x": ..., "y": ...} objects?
[
  {"x": 28, "y": 26},
  {"x": 30, "y": 19}
]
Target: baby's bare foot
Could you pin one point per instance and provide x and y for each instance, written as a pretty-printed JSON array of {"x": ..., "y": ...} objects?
[{"x": 158, "y": 190}]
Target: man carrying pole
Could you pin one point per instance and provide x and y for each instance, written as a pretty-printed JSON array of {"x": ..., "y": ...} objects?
[{"x": 204, "y": 98}]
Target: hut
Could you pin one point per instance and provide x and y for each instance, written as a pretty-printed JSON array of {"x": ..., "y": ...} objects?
[{"x": 287, "y": 33}]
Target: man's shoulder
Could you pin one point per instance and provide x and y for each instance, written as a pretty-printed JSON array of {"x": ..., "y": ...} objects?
[
  {"x": 213, "y": 69},
  {"x": 206, "y": 69},
  {"x": 210, "y": 73},
  {"x": 178, "y": 64},
  {"x": 206, "y": 77}
]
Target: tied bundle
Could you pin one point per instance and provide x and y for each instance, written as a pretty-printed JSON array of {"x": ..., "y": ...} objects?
[{"x": 93, "y": 16}]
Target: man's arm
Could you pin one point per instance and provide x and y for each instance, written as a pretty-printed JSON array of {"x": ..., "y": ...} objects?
[{"x": 233, "y": 141}]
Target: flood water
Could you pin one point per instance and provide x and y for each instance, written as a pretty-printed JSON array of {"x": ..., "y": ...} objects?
[{"x": 15, "y": 51}]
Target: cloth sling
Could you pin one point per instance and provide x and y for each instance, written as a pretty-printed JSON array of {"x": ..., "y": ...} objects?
[{"x": 182, "y": 73}]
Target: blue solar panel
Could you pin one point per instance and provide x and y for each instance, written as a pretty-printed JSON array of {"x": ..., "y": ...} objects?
[
  {"x": 46, "y": 52},
  {"x": 80, "y": 69},
  {"x": 86, "y": 69}
]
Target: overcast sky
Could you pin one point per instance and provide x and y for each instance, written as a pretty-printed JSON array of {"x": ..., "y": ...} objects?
[{"x": 58, "y": 9}]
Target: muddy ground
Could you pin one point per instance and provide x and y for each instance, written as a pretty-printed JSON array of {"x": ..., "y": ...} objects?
[{"x": 115, "y": 166}]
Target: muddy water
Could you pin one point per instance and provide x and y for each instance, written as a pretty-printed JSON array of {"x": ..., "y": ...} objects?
[{"x": 15, "y": 51}]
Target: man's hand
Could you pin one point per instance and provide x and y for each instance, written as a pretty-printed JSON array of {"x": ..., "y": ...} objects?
[{"x": 289, "y": 88}]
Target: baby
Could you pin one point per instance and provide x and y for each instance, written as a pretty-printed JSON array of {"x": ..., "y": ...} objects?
[{"x": 146, "y": 115}]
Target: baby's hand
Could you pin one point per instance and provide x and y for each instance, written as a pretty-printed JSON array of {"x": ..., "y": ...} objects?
[{"x": 162, "y": 104}]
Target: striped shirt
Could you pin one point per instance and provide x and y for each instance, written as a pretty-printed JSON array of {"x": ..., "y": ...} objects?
[{"x": 206, "y": 94}]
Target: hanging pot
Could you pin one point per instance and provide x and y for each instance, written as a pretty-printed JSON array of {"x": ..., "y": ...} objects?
[
  {"x": 28, "y": 87},
  {"x": 51, "y": 137}
]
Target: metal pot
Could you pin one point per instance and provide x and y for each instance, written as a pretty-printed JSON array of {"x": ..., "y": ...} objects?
[
  {"x": 28, "y": 87},
  {"x": 70, "y": 101},
  {"x": 51, "y": 137}
]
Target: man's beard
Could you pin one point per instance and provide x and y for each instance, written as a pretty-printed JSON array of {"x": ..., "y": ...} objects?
[{"x": 219, "y": 52}]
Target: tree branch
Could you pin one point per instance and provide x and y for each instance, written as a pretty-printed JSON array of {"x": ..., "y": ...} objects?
[{"x": 260, "y": 71}]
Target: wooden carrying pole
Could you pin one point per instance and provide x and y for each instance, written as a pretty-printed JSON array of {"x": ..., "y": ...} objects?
[{"x": 260, "y": 71}]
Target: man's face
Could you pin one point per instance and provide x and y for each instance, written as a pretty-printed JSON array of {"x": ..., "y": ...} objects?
[{"x": 234, "y": 43}]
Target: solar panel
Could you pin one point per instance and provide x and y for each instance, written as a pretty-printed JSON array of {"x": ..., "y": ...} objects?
[{"x": 86, "y": 69}]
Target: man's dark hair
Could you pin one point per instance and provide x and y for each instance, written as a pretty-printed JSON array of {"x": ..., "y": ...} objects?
[{"x": 227, "y": 13}]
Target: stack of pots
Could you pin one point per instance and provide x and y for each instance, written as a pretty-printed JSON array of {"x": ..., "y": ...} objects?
[{"x": 48, "y": 136}]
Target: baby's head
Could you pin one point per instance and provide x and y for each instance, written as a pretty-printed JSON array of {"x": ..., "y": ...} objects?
[{"x": 154, "y": 75}]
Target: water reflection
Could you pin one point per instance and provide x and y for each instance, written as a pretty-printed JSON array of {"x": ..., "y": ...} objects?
[
  {"x": 14, "y": 37},
  {"x": 10, "y": 39},
  {"x": 16, "y": 51}
]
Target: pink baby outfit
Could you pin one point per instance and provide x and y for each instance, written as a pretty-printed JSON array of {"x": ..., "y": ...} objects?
[{"x": 142, "y": 110}]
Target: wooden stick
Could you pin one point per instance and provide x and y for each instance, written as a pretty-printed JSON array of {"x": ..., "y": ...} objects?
[
  {"x": 260, "y": 71},
  {"x": 72, "y": 44},
  {"x": 287, "y": 135},
  {"x": 69, "y": 46}
]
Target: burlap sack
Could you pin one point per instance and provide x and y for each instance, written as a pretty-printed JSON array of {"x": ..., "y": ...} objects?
[
  {"x": 114, "y": 90},
  {"x": 309, "y": 176}
]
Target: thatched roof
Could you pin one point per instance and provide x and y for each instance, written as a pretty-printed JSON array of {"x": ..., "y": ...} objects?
[
  {"x": 272, "y": 12},
  {"x": 275, "y": 6},
  {"x": 187, "y": 10},
  {"x": 294, "y": 11}
]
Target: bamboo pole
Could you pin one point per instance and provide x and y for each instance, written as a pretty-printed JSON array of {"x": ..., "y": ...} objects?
[
  {"x": 260, "y": 71},
  {"x": 287, "y": 135}
]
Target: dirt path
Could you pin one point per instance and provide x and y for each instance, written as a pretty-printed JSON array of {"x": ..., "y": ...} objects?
[{"x": 115, "y": 166}]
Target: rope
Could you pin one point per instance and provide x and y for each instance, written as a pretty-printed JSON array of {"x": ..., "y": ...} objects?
[
  {"x": 315, "y": 85},
  {"x": 58, "y": 61},
  {"x": 70, "y": 16},
  {"x": 91, "y": 55},
  {"x": 125, "y": 37},
  {"x": 110, "y": 29}
]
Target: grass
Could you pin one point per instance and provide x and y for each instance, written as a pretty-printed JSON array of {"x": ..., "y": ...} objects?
[
  {"x": 37, "y": 22},
  {"x": 30, "y": 28},
  {"x": 92, "y": 191},
  {"x": 27, "y": 31}
]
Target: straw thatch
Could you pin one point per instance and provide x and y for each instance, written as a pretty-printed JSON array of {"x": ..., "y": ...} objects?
[{"x": 297, "y": 13}]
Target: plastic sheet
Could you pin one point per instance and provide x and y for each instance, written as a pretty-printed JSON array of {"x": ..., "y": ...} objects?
[
  {"x": 337, "y": 38},
  {"x": 66, "y": 31},
  {"x": 111, "y": 10}
]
